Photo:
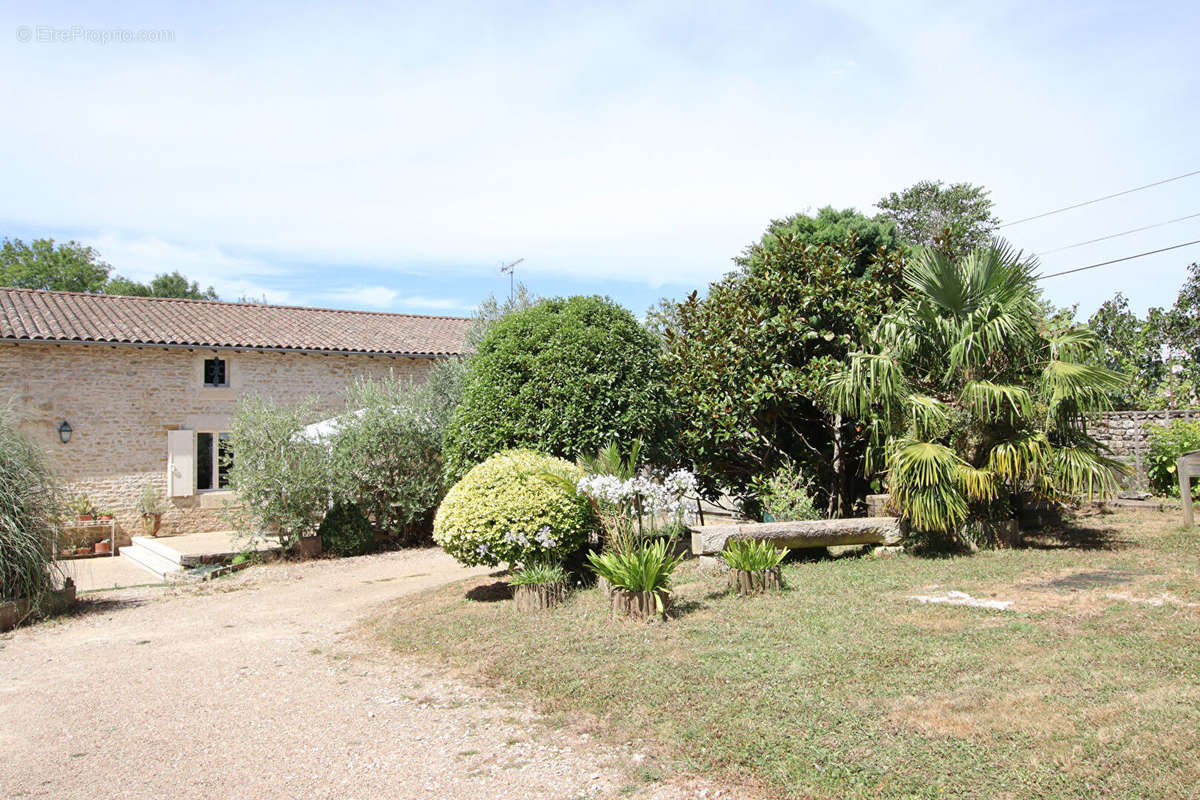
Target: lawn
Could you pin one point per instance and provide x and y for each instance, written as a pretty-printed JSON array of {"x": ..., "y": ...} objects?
[{"x": 844, "y": 687}]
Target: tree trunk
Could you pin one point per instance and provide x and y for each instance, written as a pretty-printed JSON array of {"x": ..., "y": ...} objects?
[{"x": 831, "y": 511}]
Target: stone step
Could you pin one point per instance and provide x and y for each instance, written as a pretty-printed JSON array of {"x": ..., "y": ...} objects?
[
  {"x": 159, "y": 548},
  {"x": 150, "y": 560}
]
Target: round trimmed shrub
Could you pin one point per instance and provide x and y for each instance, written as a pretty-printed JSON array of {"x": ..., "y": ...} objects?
[
  {"x": 566, "y": 377},
  {"x": 513, "y": 508},
  {"x": 346, "y": 531}
]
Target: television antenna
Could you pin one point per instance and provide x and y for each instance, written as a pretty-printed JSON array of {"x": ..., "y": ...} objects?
[{"x": 507, "y": 269}]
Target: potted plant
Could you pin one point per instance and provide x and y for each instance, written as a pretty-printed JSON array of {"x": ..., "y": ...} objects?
[
  {"x": 753, "y": 565},
  {"x": 104, "y": 516},
  {"x": 151, "y": 507},
  {"x": 640, "y": 578},
  {"x": 538, "y": 585},
  {"x": 102, "y": 547},
  {"x": 82, "y": 506}
]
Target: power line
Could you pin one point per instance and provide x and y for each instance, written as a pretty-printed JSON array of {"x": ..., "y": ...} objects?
[
  {"x": 1115, "y": 235},
  {"x": 1117, "y": 260},
  {"x": 1100, "y": 199}
]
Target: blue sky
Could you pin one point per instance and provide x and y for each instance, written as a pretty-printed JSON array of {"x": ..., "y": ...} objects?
[{"x": 343, "y": 155}]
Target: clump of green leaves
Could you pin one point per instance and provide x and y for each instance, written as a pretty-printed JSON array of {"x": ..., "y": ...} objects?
[
  {"x": 280, "y": 476},
  {"x": 386, "y": 456},
  {"x": 752, "y": 555},
  {"x": 1167, "y": 444},
  {"x": 785, "y": 496},
  {"x": 646, "y": 568},
  {"x": 151, "y": 500},
  {"x": 346, "y": 531},
  {"x": 537, "y": 573},
  {"x": 27, "y": 515}
]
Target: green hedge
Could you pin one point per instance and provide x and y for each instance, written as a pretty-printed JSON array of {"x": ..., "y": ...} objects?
[
  {"x": 516, "y": 507},
  {"x": 564, "y": 377},
  {"x": 346, "y": 531}
]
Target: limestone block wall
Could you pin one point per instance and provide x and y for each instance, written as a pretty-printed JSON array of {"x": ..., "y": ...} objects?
[
  {"x": 122, "y": 400},
  {"x": 1127, "y": 434}
]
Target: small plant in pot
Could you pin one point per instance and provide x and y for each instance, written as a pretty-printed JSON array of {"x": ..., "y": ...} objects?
[
  {"x": 537, "y": 585},
  {"x": 104, "y": 515},
  {"x": 753, "y": 565},
  {"x": 82, "y": 506},
  {"x": 151, "y": 507},
  {"x": 640, "y": 578}
]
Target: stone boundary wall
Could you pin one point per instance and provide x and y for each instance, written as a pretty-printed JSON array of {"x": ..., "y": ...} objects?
[{"x": 1127, "y": 434}]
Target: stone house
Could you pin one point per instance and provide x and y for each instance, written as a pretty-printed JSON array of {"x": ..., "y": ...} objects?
[{"x": 122, "y": 392}]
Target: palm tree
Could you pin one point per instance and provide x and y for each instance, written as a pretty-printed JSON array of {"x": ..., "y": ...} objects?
[{"x": 972, "y": 396}]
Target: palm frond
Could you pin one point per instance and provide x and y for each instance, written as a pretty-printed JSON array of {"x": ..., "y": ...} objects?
[
  {"x": 1020, "y": 458},
  {"x": 1077, "y": 343},
  {"x": 985, "y": 399},
  {"x": 1081, "y": 472},
  {"x": 979, "y": 485},
  {"x": 930, "y": 416},
  {"x": 935, "y": 276},
  {"x": 1081, "y": 387},
  {"x": 867, "y": 380},
  {"x": 925, "y": 482}
]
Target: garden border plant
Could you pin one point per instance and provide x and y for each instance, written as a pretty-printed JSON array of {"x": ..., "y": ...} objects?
[
  {"x": 753, "y": 565},
  {"x": 28, "y": 510}
]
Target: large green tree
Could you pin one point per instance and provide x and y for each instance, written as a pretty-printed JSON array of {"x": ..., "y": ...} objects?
[
  {"x": 857, "y": 236},
  {"x": 747, "y": 362},
  {"x": 42, "y": 264},
  {"x": 172, "y": 284},
  {"x": 1133, "y": 346},
  {"x": 972, "y": 398},
  {"x": 955, "y": 219},
  {"x": 1160, "y": 352},
  {"x": 74, "y": 267},
  {"x": 565, "y": 377}
]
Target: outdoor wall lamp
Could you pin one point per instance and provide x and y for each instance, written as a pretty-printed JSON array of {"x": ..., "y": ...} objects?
[{"x": 64, "y": 432}]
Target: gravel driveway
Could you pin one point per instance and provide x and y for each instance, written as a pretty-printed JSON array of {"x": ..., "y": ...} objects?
[{"x": 267, "y": 685}]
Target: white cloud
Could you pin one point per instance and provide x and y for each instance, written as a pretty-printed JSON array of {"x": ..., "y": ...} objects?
[
  {"x": 647, "y": 144},
  {"x": 234, "y": 277},
  {"x": 383, "y": 298},
  {"x": 359, "y": 297}
]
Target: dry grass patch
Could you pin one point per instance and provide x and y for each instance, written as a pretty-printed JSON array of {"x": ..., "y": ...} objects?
[{"x": 841, "y": 687}]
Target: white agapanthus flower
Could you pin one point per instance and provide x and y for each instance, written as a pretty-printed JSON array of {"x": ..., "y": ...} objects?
[{"x": 657, "y": 494}]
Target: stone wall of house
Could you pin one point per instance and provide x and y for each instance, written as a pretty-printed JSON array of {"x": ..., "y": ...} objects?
[
  {"x": 1127, "y": 434},
  {"x": 121, "y": 401}
]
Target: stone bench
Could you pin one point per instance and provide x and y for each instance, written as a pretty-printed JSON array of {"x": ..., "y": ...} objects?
[{"x": 708, "y": 540}]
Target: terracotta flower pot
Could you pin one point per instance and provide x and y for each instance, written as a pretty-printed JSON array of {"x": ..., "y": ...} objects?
[
  {"x": 83, "y": 551},
  {"x": 86, "y": 517},
  {"x": 151, "y": 523},
  {"x": 106, "y": 517},
  {"x": 103, "y": 548}
]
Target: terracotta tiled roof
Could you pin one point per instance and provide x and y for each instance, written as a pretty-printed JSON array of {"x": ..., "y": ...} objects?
[{"x": 31, "y": 315}]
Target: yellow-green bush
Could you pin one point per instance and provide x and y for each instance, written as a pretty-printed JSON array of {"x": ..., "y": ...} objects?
[{"x": 512, "y": 508}]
